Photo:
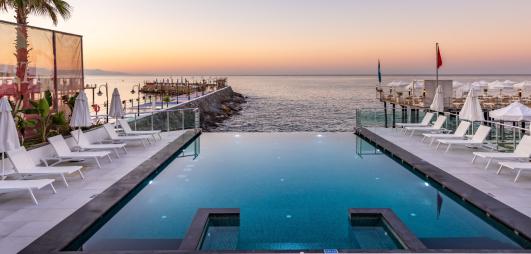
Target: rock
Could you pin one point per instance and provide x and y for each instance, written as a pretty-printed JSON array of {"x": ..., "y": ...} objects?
[{"x": 217, "y": 107}]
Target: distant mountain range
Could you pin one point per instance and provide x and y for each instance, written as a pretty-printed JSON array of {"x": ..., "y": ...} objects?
[{"x": 100, "y": 72}]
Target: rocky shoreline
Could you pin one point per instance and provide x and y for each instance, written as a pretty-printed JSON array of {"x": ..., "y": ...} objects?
[
  {"x": 227, "y": 108},
  {"x": 217, "y": 107}
]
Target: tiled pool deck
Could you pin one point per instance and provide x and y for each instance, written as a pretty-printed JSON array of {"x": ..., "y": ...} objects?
[
  {"x": 457, "y": 162},
  {"x": 22, "y": 222}
]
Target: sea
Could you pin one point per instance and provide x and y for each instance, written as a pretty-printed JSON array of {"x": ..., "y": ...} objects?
[{"x": 294, "y": 103}]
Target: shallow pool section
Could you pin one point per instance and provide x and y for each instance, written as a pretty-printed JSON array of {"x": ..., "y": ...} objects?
[{"x": 294, "y": 192}]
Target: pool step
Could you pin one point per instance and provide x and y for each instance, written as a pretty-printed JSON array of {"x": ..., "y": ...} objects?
[
  {"x": 132, "y": 244},
  {"x": 464, "y": 243}
]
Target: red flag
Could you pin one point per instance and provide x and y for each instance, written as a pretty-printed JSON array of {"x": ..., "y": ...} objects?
[{"x": 439, "y": 57}]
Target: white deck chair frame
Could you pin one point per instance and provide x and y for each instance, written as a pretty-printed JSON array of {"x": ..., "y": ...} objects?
[
  {"x": 460, "y": 133},
  {"x": 477, "y": 140},
  {"x": 65, "y": 154},
  {"x": 28, "y": 185},
  {"x": 130, "y": 132},
  {"x": 437, "y": 126},
  {"x": 85, "y": 145},
  {"x": 518, "y": 166},
  {"x": 24, "y": 165},
  {"x": 521, "y": 152},
  {"x": 424, "y": 123},
  {"x": 115, "y": 137}
]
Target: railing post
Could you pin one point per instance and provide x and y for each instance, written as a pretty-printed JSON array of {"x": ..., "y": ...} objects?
[
  {"x": 385, "y": 113},
  {"x": 135, "y": 122},
  {"x": 197, "y": 119},
  {"x": 497, "y": 143},
  {"x": 446, "y": 121},
  {"x": 394, "y": 111},
  {"x": 514, "y": 138},
  {"x": 182, "y": 119},
  {"x": 167, "y": 121},
  {"x": 152, "y": 115}
]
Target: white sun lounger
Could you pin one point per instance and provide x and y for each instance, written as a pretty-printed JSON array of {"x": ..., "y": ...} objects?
[
  {"x": 28, "y": 185},
  {"x": 84, "y": 144},
  {"x": 518, "y": 166},
  {"x": 437, "y": 126},
  {"x": 459, "y": 133},
  {"x": 65, "y": 154},
  {"x": 424, "y": 123},
  {"x": 25, "y": 165},
  {"x": 477, "y": 140},
  {"x": 521, "y": 152},
  {"x": 115, "y": 137},
  {"x": 128, "y": 131}
]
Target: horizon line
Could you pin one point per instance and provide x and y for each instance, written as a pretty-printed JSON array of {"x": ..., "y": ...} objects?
[{"x": 308, "y": 75}]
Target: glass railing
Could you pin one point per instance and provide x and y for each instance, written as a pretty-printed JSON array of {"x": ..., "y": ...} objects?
[
  {"x": 164, "y": 120},
  {"x": 503, "y": 136}
]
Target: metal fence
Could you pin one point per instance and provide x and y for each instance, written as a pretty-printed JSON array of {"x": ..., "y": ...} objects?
[
  {"x": 504, "y": 136},
  {"x": 34, "y": 60}
]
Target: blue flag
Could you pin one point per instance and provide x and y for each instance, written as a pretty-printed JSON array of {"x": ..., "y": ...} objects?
[{"x": 379, "y": 72}]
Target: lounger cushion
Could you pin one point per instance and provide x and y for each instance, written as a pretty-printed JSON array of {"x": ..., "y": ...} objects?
[
  {"x": 498, "y": 155},
  {"x": 517, "y": 165},
  {"x": 103, "y": 146},
  {"x": 114, "y": 136},
  {"x": 131, "y": 137},
  {"x": 51, "y": 170},
  {"x": 143, "y": 132},
  {"x": 25, "y": 184},
  {"x": 459, "y": 142},
  {"x": 437, "y": 135},
  {"x": 84, "y": 154}
]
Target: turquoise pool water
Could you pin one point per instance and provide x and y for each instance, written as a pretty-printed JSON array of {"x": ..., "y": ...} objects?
[{"x": 294, "y": 191}]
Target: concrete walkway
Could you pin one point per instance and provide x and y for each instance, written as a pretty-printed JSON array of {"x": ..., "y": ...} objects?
[
  {"x": 21, "y": 221},
  {"x": 457, "y": 162}
]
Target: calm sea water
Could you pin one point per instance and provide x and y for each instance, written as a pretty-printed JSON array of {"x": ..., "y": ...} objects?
[{"x": 295, "y": 103}]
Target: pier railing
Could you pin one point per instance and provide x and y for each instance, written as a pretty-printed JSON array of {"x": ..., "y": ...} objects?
[{"x": 504, "y": 136}]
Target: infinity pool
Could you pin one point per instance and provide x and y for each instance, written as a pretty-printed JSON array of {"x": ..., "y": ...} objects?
[{"x": 294, "y": 191}]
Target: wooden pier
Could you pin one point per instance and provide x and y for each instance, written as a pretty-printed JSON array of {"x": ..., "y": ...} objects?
[
  {"x": 409, "y": 104},
  {"x": 169, "y": 87}
]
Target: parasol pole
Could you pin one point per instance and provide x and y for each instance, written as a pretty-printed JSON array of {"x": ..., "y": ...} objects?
[{"x": 3, "y": 167}]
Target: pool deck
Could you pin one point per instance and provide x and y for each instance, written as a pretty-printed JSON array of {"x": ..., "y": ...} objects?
[
  {"x": 22, "y": 222},
  {"x": 457, "y": 168}
]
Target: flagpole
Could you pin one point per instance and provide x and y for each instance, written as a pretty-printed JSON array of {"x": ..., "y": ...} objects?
[
  {"x": 437, "y": 64},
  {"x": 379, "y": 74}
]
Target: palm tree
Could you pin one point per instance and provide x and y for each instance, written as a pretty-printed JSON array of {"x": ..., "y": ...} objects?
[{"x": 24, "y": 8}]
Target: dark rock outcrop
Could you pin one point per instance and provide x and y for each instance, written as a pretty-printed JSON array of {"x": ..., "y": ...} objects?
[{"x": 216, "y": 107}]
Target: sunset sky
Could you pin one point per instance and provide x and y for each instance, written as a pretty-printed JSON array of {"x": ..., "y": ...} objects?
[{"x": 301, "y": 36}]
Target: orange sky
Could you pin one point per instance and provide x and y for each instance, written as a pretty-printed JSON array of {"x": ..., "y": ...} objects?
[{"x": 301, "y": 36}]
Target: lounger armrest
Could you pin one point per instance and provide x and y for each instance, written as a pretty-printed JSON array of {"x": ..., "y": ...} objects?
[
  {"x": 45, "y": 160},
  {"x": 446, "y": 131},
  {"x": 77, "y": 148},
  {"x": 489, "y": 145}
]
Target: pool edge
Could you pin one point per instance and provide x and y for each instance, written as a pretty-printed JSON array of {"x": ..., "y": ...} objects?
[
  {"x": 496, "y": 209},
  {"x": 69, "y": 229}
]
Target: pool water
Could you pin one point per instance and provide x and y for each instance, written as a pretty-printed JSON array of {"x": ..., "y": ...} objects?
[{"x": 294, "y": 191}]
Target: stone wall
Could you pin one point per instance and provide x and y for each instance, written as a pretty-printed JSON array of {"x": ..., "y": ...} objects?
[{"x": 216, "y": 107}]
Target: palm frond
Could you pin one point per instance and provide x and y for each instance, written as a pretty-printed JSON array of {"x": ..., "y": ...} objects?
[{"x": 51, "y": 8}]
